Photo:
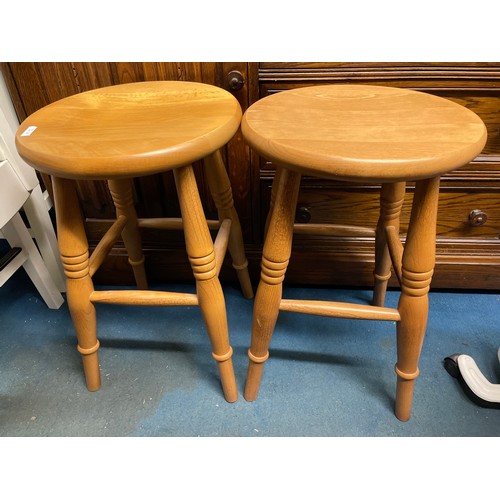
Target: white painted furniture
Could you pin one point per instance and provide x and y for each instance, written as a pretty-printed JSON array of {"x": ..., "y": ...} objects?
[{"x": 21, "y": 190}]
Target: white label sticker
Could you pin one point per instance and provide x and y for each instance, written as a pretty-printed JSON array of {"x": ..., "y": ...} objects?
[{"x": 29, "y": 130}]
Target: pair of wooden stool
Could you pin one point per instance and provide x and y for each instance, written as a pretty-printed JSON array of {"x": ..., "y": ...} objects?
[{"x": 351, "y": 133}]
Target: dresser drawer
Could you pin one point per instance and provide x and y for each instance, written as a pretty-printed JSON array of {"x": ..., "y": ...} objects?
[{"x": 462, "y": 213}]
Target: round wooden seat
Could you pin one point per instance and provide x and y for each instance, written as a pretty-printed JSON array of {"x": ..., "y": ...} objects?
[
  {"x": 129, "y": 130},
  {"x": 124, "y": 131},
  {"x": 363, "y": 132},
  {"x": 374, "y": 135}
]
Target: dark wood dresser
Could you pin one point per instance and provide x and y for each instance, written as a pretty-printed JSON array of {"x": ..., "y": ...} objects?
[{"x": 468, "y": 245}]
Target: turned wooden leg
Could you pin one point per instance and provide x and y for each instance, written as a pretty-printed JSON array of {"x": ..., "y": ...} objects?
[
  {"x": 123, "y": 198},
  {"x": 391, "y": 201},
  {"x": 220, "y": 189},
  {"x": 201, "y": 255},
  {"x": 275, "y": 257},
  {"x": 274, "y": 189},
  {"x": 417, "y": 270},
  {"x": 73, "y": 247}
]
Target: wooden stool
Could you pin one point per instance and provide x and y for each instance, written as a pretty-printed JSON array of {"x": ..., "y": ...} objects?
[
  {"x": 369, "y": 134},
  {"x": 131, "y": 130}
]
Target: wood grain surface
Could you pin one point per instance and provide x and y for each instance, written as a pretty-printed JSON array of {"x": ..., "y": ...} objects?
[
  {"x": 363, "y": 132},
  {"x": 129, "y": 130}
]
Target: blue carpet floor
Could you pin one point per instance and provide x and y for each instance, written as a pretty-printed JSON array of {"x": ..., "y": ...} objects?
[{"x": 325, "y": 377}]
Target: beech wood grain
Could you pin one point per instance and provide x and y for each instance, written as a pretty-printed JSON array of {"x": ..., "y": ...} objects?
[
  {"x": 129, "y": 130},
  {"x": 134, "y": 130},
  {"x": 369, "y": 134},
  {"x": 363, "y": 132}
]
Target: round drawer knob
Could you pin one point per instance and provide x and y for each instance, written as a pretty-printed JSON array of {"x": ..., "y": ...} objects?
[
  {"x": 235, "y": 81},
  {"x": 303, "y": 215},
  {"x": 477, "y": 218}
]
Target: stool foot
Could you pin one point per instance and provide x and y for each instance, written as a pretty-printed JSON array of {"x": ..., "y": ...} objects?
[
  {"x": 265, "y": 315},
  {"x": 404, "y": 393},
  {"x": 410, "y": 336},
  {"x": 252, "y": 384},
  {"x": 228, "y": 381},
  {"x": 92, "y": 371},
  {"x": 213, "y": 309},
  {"x": 404, "y": 396},
  {"x": 83, "y": 315}
]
